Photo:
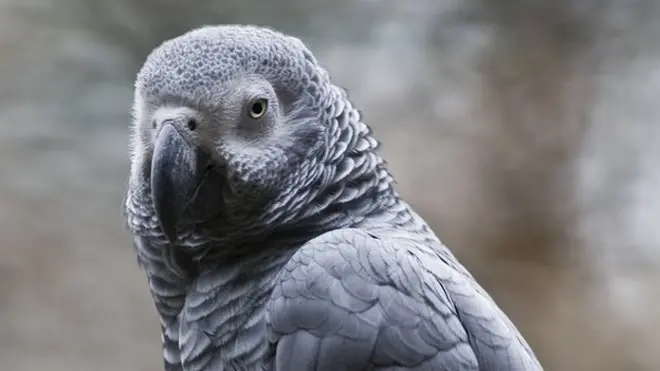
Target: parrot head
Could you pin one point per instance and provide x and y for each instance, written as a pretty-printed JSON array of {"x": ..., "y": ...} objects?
[{"x": 226, "y": 121}]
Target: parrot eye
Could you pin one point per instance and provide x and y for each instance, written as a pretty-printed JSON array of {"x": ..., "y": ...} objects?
[{"x": 258, "y": 108}]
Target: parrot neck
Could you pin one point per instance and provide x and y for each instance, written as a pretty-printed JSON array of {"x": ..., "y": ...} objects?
[{"x": 356, "y": 187}]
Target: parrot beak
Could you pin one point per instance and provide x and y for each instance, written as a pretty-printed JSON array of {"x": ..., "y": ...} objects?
[{"x": 177, "y": 170}]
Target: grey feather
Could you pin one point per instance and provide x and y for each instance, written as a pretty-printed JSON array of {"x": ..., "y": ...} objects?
[{"x": 269, "y": 229}]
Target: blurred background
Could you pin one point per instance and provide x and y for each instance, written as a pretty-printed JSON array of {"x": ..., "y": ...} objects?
[{"x": 525, "y": 131}]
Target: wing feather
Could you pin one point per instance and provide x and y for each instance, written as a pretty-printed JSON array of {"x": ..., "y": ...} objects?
[{"x": 352, "y": 300}]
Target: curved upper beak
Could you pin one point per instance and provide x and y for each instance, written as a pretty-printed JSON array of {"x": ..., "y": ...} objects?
[{"x": 177, "y": 170}]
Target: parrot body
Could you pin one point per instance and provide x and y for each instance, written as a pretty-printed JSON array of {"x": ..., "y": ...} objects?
[{"x": 269, "y": 229}]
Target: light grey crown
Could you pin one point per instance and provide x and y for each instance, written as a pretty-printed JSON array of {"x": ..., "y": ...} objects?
[{"x": 196, "y": 62}]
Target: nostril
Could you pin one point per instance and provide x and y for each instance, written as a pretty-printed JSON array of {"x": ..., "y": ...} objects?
[
  {"x": 154, "y": 124},
  {"x": 192, "y": 124}
]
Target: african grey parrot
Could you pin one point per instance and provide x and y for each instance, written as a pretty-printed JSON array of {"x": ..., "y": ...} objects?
[{"x": 269, "y": 229}]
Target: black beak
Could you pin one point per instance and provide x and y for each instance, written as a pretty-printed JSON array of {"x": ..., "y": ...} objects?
[{"x": 177, "y": 170}]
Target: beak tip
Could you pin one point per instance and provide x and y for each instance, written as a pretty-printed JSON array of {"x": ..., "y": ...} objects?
[{"x": 168, "y": 227}]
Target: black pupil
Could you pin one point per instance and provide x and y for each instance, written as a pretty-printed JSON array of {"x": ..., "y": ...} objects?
[{"x": 258, "y": 108}]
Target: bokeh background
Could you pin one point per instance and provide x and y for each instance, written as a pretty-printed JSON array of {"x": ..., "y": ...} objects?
[{"x": 526, "y": 131}]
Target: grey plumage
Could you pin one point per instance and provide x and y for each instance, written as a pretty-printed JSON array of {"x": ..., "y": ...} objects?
[{"x": 269, "y": 229}]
